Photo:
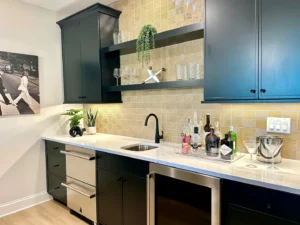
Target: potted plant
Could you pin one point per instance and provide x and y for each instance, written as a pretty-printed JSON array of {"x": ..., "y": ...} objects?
[
  {"x": 75, "y": 116},
  {"x": 91, "y": 121},
  {"x": 144, "y": 43}
]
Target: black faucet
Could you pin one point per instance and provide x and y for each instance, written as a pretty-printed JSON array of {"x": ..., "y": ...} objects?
[{"x": 157, "y": 136}]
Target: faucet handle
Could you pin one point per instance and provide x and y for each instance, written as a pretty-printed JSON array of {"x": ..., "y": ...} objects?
[{"x": 162, "y": 135}]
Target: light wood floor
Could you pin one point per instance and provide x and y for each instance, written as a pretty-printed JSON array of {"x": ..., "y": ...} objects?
[{"x": 48, "y": 213}]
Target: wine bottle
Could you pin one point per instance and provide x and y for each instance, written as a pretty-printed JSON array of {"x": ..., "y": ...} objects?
[
  {"x": 207, "y": 125},
  {"x": 212, "y": 143}
]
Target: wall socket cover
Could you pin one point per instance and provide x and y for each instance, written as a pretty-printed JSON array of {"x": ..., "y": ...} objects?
[{"x": 279, "y": 125}]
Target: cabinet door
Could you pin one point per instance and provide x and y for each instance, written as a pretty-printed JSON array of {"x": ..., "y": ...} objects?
[
  {"x": 231, "y": 50},
  {"x": 109, "y": 192},
  {"x": 134, "y": 201},
  {"x": 55, "y": 188},
  {"x": 72, "y": 63},
  {"x": 90, "y": 59},
  {"x": 242, "y": 216},
  {"x": 280, "y": 43}
]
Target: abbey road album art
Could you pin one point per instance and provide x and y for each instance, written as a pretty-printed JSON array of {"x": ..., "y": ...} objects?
[{"x": 19, "y": 84}]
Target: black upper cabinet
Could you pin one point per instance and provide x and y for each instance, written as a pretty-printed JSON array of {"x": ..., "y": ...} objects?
[
  {"x": 280, "y": 49},
  {"x": 251, "y": 50},
  {"x": 231, "y": 49},
  {"x": 86, "y": 71}
]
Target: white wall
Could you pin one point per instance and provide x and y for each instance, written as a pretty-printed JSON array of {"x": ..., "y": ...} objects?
[{"x": 31, "y": 30}]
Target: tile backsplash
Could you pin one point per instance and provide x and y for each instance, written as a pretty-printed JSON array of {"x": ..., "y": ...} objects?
[{"x": 173, "y": 107}]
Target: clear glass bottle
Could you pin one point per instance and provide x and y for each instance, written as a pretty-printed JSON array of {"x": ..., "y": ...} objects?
[
  {"x": 217, "y": 129},
  {"x": 212, "y": 142},
  {"x": 202, "y": 135},
  {"x": 195, "y": 140}
]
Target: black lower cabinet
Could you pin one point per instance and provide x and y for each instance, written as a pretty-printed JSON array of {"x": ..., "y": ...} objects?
[
  {"x": 134, "y": 201},
  {"x": 55, "y": 189},
  {"x": 244, "y": 204},
  {"x": 109, "y": 197}
]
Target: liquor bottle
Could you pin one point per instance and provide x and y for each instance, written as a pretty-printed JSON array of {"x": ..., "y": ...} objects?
[
  {"x": 212, "y": 142},
  {"x": 186, "y": 138},
  {"x": 232, "y": 137},
  {"x": 195, "y": 140},
  {"x": 207, "y": 125},
  {"x": 195, "y": 122},
  {"x": 226, "y": 149},
  {"x": 190, "y": 126}
]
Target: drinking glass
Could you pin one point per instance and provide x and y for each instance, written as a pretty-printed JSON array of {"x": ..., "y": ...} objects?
[
  {"x": 196, "y": 11},
  {"x": 272, "y": 147},
  {"x": 116, "y": 37},
  {"x": 198, "y": 71},
  {"x": 192, "y": 71},
  {"x": 185, "y": 73},
  {"x": 135, "y": 73},
  {"x": 121, "y": 37},
  {"x": 251, "y": 145},
  {"x": 117, "y": 75},
  {"x": 178, "y": 71}
]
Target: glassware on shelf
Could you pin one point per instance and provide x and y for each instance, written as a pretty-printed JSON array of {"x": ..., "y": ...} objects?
[
  {"x": 185, "y": 73},
  {"x": 135, "y": 73},
  {"x": 272, "y": 147},
  {"x": 251, "y": 145},
  {"x": 192, "y": 70},
  {"x": 196, "y": 6},
  {"x": 198, "y": 71},
  {"x": 125, "y": 74},
  {"x": 116, "y": 38},
  {"x": 121, "y": 38},
  {"x": 117, "y": 75},
  {"x": 179, "y": 71}
]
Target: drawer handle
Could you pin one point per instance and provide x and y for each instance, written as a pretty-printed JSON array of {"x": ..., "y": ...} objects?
[
  {"x": 56, "y": 166},
  {"x": 78, "y": 191},
  {"x": 57, "y": 188},
  {"x": 78, "y": 155},
  {"x": 56, "y": 148}
]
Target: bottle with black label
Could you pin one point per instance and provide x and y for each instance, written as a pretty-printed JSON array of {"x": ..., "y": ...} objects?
[
  {"x": 195, "y": 141},
  {"x": 212, "y": 143},
  {"x": 226, "y": 149}
]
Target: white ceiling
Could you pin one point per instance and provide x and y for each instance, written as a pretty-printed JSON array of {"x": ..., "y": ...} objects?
[{"x": 56, "y": 5}]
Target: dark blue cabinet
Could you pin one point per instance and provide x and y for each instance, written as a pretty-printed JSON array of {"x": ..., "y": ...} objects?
[
  {"x": 252, "y": 50},
  {"x": 86, "y": 70},
  {"x": 231, "y": 55},
  {"x": 280, "y": 49}
]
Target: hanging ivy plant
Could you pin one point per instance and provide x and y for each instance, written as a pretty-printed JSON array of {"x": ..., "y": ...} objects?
[{"x": 144, "y": 43}]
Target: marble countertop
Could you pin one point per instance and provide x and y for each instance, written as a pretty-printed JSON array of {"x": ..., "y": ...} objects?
[{"x": 286, "y": 179}]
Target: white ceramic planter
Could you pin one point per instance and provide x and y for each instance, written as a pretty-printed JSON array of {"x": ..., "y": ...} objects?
[{"x": 91, "y": 130}]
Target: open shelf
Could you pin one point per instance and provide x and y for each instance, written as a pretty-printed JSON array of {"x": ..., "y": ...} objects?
[
  {"x": 162, "y": 85},
  {"x": 171, "y": 37}
]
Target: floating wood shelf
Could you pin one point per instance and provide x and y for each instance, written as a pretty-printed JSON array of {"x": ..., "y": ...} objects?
[
  {"x": 162, "y": 85},
  {"x": 171, "y": 37}
]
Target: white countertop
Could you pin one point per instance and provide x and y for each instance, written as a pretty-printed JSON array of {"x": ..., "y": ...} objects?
[{"x": 286, "y": 179}]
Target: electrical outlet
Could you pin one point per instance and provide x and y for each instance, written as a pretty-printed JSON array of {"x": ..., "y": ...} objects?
[{"x": 279, "y": 125}]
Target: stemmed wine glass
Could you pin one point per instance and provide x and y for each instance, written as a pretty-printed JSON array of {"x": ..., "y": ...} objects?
[
  {"x": 272, "y": 147},
  {"x": 135, "y": 73},
  {"x": 251, "y": 145},
  {"x": 117, "y": 75}
]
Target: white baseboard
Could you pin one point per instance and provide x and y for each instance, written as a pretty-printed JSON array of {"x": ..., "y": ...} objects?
[{"x": 23, "y": 203}]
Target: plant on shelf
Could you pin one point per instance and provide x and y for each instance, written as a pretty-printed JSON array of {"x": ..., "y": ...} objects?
[
  {"x": 75, "y": 116},
  {"x": 91, "y": 121},
  {"x": 144, "y": 43}
]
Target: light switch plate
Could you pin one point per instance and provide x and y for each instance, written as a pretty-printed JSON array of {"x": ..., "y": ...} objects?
[{"x": 279, "y": 125}]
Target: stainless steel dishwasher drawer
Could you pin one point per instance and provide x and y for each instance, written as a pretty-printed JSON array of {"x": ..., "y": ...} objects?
[
  {"x": 81, "y": 164},
  {"x": 81, "y": 198}
]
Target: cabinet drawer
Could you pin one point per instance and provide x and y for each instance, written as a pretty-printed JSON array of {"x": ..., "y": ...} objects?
[
  {"x": 54, "y": 147},
  {"x": 56, "y": 164},
  {"x": 81, "y": 164},
  {"x": 122, "y": 164},
  {"x": 56, "y": 189},
  {"x": 81, "y": 198},
  {"x": 280, "y": 204}
]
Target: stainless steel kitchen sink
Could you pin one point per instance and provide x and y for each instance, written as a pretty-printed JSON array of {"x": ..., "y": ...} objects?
[{"x": 139, "y": 147}]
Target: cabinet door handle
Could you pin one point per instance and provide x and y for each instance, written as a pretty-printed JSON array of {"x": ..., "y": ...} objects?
[
  {"x": 57, "y": 188},
  {"x": 55, "y": 148},
  {"x": 80, "y": 97},
  {"x": 83, "y": 97},
  {"x": 263, "y": 90},
  {"x": 252, "y": 91},
  {"x": 56, "y": 166}
]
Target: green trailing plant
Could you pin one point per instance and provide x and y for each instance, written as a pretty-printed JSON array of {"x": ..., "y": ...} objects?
[
  {"x": 144, "y": 43},
  {"x": 75, "y": 116},
  {"x": 91, "y": 118}
]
